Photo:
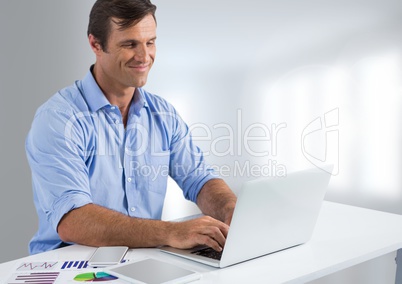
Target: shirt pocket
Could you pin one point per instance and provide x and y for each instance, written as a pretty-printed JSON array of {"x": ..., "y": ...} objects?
[{"x": 158, "y": 172}]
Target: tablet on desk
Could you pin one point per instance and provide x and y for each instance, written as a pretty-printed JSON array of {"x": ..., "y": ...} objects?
[
  {"x": 152, "y": 271},
  {"x": 107, "y": 256}
]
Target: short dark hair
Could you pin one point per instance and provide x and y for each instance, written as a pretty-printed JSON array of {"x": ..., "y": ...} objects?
[{"x": 128, "y": 13}]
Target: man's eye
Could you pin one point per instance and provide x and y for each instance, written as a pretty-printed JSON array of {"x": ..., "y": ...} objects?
[
  {"x": 129, "y": 45},
  {"x": 150, "y": 43}
]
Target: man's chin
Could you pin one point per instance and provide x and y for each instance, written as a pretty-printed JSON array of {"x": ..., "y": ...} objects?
[{"x": 139, "y": 83}]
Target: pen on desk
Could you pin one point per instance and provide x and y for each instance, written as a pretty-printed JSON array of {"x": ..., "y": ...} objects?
[{"x": 123, "y": 261}]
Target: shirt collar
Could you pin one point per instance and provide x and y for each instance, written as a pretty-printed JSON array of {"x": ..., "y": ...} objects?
[
  {"x": 97, "y": 100},
  {"x": 92, "y": 93},
  {"x": 139, "y": 101}
]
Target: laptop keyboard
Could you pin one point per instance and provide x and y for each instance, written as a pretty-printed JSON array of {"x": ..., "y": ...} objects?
[{"x": 208, "y": 252}]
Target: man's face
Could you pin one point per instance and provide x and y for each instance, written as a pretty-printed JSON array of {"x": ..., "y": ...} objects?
[{"x": 129, "y": 56}]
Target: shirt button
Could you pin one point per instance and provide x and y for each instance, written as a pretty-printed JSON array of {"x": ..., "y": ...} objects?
[
  {"x": 116, "y": 121},
  {"x": 113, "y": 107},
  {"x": 132, "y": 209},
  {"x": 129, "y": 179}
]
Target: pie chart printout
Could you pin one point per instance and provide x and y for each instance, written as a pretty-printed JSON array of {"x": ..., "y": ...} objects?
[{"x": 94, "y": 277}]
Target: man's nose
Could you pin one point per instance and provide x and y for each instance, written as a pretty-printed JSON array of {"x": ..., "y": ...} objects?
[{"x": 141, "y": 54}]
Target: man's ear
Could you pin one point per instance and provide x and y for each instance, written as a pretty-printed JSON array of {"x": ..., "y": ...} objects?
[{"x": 95, "y": 45}]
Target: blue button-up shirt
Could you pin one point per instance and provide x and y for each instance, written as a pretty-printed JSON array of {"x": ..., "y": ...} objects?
[{"x": 80, "y": 152}]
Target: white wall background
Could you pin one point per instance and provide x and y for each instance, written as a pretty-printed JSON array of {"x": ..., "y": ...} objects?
[{"x": 234, "y": 70}]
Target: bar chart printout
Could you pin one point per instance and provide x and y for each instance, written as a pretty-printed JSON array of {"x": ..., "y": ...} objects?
[
  {"x": 34, "y": 278},
  {"x": 79, "y": 264}
]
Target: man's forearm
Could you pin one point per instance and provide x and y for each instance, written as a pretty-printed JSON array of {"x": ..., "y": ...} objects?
[
  {"x": 216, "y": 199},
  {"x": 94, "y": 225}
]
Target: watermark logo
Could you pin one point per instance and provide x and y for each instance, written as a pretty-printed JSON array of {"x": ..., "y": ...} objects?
[
  {"x": 328, "y": 129},
  {"x": 251, "y": 150}
]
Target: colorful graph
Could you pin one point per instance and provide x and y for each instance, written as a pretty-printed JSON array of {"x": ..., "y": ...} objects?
[
  {"x": 94, "y": 277},
  {"x": 36, "y": 278},
  {"x": 75, "y": 264},
  {"x": 28, "y": 266}
]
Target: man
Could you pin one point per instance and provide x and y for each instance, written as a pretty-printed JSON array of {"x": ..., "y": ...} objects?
[{"x": 100, "y": 150}]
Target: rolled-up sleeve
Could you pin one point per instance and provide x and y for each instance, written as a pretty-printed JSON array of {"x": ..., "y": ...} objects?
[
  {"x": 56, "y": 155},
  {"x": 188, "y": 166}
]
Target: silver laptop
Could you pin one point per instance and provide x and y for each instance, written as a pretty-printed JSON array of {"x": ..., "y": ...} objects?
[{"x": 271, "y": 214}]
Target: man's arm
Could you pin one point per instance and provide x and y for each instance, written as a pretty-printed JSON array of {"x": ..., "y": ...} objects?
[
  {"x": 217, "y": 200},
  {"x": 94, "y": 225}
]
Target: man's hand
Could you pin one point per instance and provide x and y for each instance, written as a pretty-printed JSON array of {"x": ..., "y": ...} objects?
[
  {"x": 201, "y": 231},
  {"x": 217, "y": 200}
]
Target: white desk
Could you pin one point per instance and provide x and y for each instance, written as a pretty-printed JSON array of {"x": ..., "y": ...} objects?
[{"x": 344, "y": 236}]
